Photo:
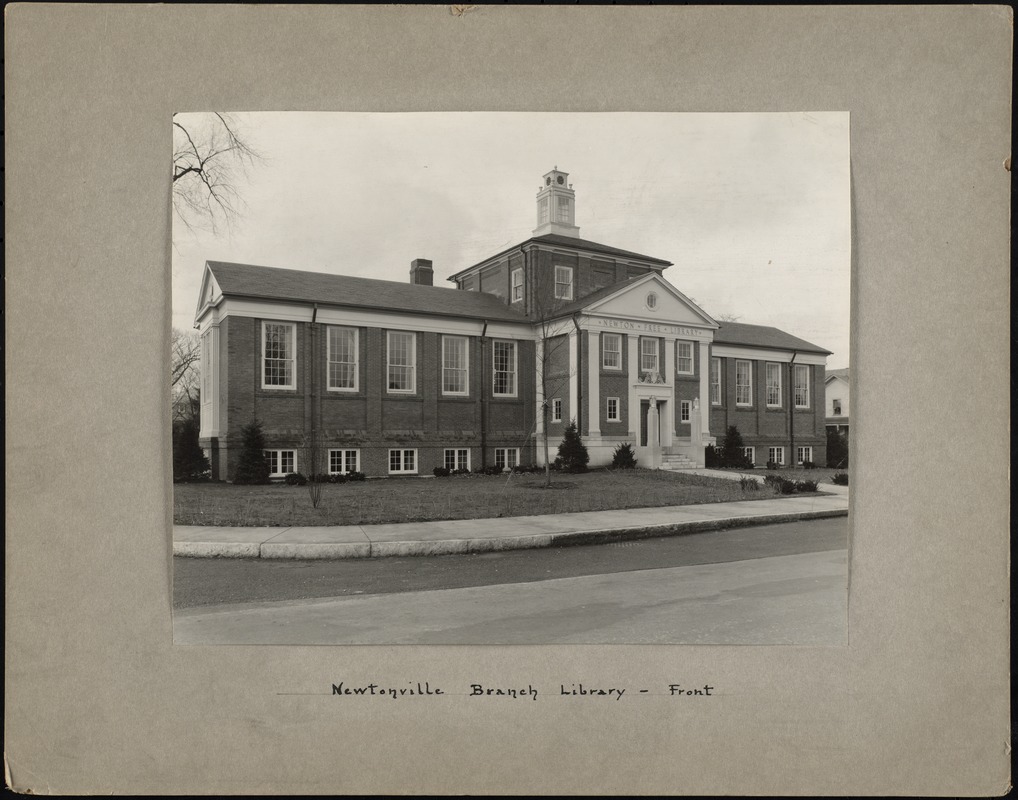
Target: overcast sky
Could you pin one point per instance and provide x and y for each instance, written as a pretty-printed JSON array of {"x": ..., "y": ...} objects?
[{"x": 752, "y": 209}]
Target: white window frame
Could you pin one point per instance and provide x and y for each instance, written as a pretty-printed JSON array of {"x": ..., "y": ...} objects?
[
  {"x": 685, "y": 411},
  {"x": 772, "y": 369},
  {"x": 355, "y": 363},
  {"x": 715, "y": 385},
  {"x": 748, "y": 386},
  {"x": 803, "y": 450},
  {"x": 780, "y": 452},
  {"x": 465, "y": 369},
  {"x": 612, "y": 409},
  {"x": 502, "y": 454},
  {"x": 556, "y": 409},
  {"x": 513, "y": 374},
  {"x": 460, "y": 458},
  {"x": 836, "y": 407},
  {"x": 749, "y": 453},
  {"x": 644, "y": 355},
  {"x": 516, "y": 281},
  {"x": 567, "y": 292},
  {"x": 412, "y": 365},
  {"x": 292, "y": 358},
  {"x": 562, "y": 209},
  {"x": 605, "y": 350},
  {"x": 403, "y": 470},
  {"x": 804, "y": 385},
  {"x": 275, "y": 459},
  {"x": 543, "y": 211},
  {"x": 679, "y": 358},
  {"x": 344, "y": 460}
]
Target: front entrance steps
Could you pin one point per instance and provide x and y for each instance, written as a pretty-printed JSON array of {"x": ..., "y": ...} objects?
[{"x": 676, "y": 461}]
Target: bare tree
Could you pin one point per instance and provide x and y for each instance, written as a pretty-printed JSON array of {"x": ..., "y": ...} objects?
[
  {"x": 211, "y": 156},
  {"x": 726, "y": 317},
  {"x": 313, "y": 458},
  {"x": 185, "y": 353}
]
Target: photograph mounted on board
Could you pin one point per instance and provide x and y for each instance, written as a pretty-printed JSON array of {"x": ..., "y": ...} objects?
[{"x": 510, "y": 378}]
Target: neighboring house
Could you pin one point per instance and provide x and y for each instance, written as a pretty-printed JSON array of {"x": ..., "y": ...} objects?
[
  {"x": 400, "y": 378},
  {"x": 836, "y": 391}
]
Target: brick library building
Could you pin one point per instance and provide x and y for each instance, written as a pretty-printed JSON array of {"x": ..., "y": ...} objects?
[{"x": 399, "y": 378}]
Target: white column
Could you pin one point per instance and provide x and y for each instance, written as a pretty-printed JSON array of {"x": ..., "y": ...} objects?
[
  {"x": 704, "y": 389},
  {"x": 593, "y": 384},
  {"x": 668, "y": 424},
  {"x": 539, "y": 427},
  {"x": 653, "y": 444},
  {"x": 633, "y": 346},
  {"x": 574, "y": 375}
]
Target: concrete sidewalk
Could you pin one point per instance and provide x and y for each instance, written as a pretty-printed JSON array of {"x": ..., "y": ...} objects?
[{"x": 507, "y": 533}]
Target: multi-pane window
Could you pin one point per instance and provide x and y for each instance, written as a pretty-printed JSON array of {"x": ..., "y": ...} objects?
[
  {"x": 402, "y": 461},
  {"x": 542, "y": 211},
  {"x": 803, "y": 455},
  {"x": 454, "y": 365},
  {"x": 517, "y": 285},
  {"x": 612, "y": 357},
  {"x": 648, "y": 355},
  {"x": 715, "y": 381},
  {"x": 774, "y": 385},
  {"x": 457, "y": 458},
  {"x": 343, "y": 461},
  {"x": 504, "y": 369},
  {"x": 556, "y": 409},
  {"x": 776, "y": 455},
  {"x": 278, "y": 351},
  {"x": 801, "y": 386},
  {"x": 743, "y": 383},
  {"x": 612, "y": 409},
  {"x": 836, "y": 404},
  {"x": 281, "y": 462},
  {"x": 342, "y": 358},
  {"x": 563, "y": 209},
  {"x": 507, "y": 457},
  {"x": 684, "y": 410},
  {"x": 749, "y": 453},
  {"x": 684, "y": 358},
  {"x": 402, "y": 358},
  {"x": 563, "y": 283}
]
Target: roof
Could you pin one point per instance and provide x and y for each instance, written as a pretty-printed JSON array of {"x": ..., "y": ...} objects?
[
  {"x": 574, "y": 242},
  {"x": 738, "y": 333},
  {"x": 274, "y": 283},
  {"x": 837, "y": 373}
]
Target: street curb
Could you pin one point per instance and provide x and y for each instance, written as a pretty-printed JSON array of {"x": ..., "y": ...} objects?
[{"x": 346, "y": 550}]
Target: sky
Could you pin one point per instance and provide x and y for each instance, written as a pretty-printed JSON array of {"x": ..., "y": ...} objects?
[{"x": 752, "y": 209}]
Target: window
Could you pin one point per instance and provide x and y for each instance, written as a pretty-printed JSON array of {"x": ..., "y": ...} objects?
[
  {"x": 648, "y": 355},
  {"x": 652, "y": 301},
  {"x": 715, "y": 381},
  {"x": 801, "y": 386},
  {"x": 279, "y": 345},
  {"x": 455, "y": 370},
  {"x": 402, "y": 357},
  {"x": 556, "y": 409},
  {"x": 281, "y": 462},
  {"x": 803, "y": 455},
  {"x": 684, "y": 356},
  {"x": 504, "y": 369},
  {"x": 563, "y": 209},
  {"x": 542, "y": 211},
  {"x": 684, "y": 410},
  {"x": 517, "y": 282},
  {"x": 402, "y": 461},
  {"x": 837, "y": 407},
  {"x": 342, "y": 462},
  {"x": 612, "y": 358},
  {"x": 458, "y": 458},
  {"x": 776, "y": 455},
  {"x": 342, "y": 358},
  {"x": 563, "y": 283},
  {"x": 749, "y": 453},
  {"x": 743, "y": 383},
  {"x": 612, "y": 409},
  {"x": 774, "y": 385},
  {"x": 507, "y": 457}
]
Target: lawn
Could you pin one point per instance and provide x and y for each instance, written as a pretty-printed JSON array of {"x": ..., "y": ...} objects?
[{"x": 457, "y": 497}]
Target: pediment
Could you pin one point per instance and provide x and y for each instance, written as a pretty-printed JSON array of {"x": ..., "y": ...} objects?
[
  {"x": 209, "y": 294},
  {"x": 653, "y": 300}
]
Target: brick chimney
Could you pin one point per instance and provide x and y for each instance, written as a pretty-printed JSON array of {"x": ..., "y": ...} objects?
[{"x": 421, "y": 273}]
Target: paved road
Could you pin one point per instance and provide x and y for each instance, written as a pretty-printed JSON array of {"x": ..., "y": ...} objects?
[{"x": 780, "y": 584}]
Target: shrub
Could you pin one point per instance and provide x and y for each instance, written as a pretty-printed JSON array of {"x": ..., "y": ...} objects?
[
  {"x": 805, "y": 486},
  {"x": 731, "y": 450},
  {"x": 837, "y": 449},
  {"x": 772, "y": 465},
  {"x": 624, "y": 457},
  {"x": 779, "y": 485},
  {"x": 745, "y": 482},
  {"x": 808, "y": 465},
  {"x": 296, "y": 479},
  {"x": 338, "y": 478},
  {"x": 787, "y": 486},
  {"x": 356, "y": 476},
  {"x": 712, "y": 457},
  {"x": 442, "y": 472},
  {"x": 840, "y": 478},
  {"x": 572, "y": 451},
  {"x": 461, "y": 471},
  {"x": 189, "y": 462},
  {"x": 252, "y": 466}
]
